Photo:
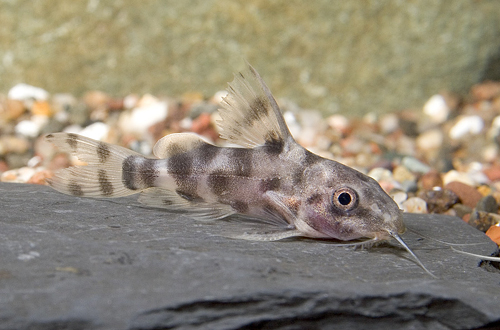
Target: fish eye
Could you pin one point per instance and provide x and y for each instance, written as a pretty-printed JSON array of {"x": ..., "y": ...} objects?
[{"x": 345, "y": 198}]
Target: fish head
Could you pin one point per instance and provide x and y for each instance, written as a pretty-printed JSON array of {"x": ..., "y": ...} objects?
[{"x": 342, "y": 203}]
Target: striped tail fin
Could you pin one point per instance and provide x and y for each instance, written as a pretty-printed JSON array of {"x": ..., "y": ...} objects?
[{"x": 103, "y": 176}]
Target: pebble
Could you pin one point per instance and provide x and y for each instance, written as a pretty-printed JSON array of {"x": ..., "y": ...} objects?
[
  {"x": 430, "y": 180},
  {"x": 389, "y": 123},
  {"x": 414, "y": 165},
  {"x": 494, "y": 234},
  {"x": 401, "y": 174},
  {"x": 13, "y": 110},
  {"x": 20, "y": 175},
  {"x": 467, "y": 194},
  {"x": 138, "y": 120},
  {"x": 31, "y": 127},
  {"x": 487, "y": 204},
  {"x": 439, "y": 200},
  {"x": 465, "y": 126},
  {"x": 430, "y": 140},
  {"x": 493, "y": 172},
  {"x": 437, "y": 109},
  {"x": 455, "y": 176},
  {"x": 483, "y": 220},
  {"x": 414, "y": 205},
  {"x": 97, "y": 131},
  {"x": 24, "y": 92},
  {"x": 399, "y": 197}
]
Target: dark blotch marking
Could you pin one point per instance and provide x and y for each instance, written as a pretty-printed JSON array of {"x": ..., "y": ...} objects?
[
  {"x": 105, "y": 185},
  {"x": 180, "y": 164},
  {"x": 189, "y": 196},
  {"x": 129, "y": 172},
  {"x": 138, "y": 175},
  {"x": 242, "y": 162},
  {"x": 240, "y": 206},
  {"x": 72, "y": 141},
  {"x": 167, "y": 202},
  {"x": 219, "y": 183},
  {"x": 148, "y": 172},
  {"x": 270, "y": 184},
  {"x": 103, "y": 152},
  {"x": 274, "y": 143},
  {"x": 175, "y": 149},
  {"x": 259, "y": 109},
  {"x": 314, "y": 199},
  {"x": 49, "y": 136},
  {"x": 311, "y": 159},
  {"x": 208, "y": 152},
  {"x": 75, "y": 189}
]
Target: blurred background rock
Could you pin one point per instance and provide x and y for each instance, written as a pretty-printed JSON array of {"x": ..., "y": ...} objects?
[{"x": 350, "y": 57}]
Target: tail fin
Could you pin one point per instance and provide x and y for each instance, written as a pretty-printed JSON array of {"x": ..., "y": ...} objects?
[{"x": 103, "y": 174}]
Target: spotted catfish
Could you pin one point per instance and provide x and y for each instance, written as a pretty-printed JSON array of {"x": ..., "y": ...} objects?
[{"x": 270, "y": 177}]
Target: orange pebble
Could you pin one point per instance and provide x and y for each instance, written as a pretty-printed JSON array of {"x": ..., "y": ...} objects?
[
  {"x": 494, "y": 234},
  {"x": 41, "y": 108}
]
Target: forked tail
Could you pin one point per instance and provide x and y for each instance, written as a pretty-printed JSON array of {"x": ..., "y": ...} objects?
[{"x": 103, "y": 176}]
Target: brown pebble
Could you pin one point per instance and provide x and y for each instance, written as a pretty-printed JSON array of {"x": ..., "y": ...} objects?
[
  {"x": 483, "y": 220},
  {"x": 430, "y": 180},
  {"x": 96, "y": 99},
  {"x": 486, "y": 90},
  {"x": 468, "y": 195},
  {"x": 203, "y": 125},
  {"x": 439, "y": 201},
  {"x": 493, "y": 172},
  {"x": 3, "y": 166},
  {"x": 13, "y": 109}
]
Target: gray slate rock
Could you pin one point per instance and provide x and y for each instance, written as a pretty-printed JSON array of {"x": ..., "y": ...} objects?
[{"x": 73, "y": 263}]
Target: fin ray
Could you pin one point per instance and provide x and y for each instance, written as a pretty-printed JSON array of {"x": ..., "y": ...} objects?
[
  {"x": 167, "y": 199},
  {"x": 250, "y": 115},
  {"x": 101, "y": 177}
]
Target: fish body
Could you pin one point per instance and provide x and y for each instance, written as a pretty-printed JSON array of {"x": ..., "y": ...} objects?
[{"x": 270, "y": 177}]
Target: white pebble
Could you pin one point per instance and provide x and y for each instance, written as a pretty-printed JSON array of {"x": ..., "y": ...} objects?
[
  {"x": 19, "y": 175},
  {"x": 380, "y": 174},
  {"x": 97, "y": 131},
  {"x": 454, "y": 175},
  {"x": 31, "y": 127},
  {"x": 399, "y": 197},
  {"x": 23, "y": 92},
  {"x": 338, "y": 122},
  {"x": 138, "y": 120},
  {"x": 430, "y": 140},
  {"x": 437, "y": 109},
  {"x": 389, "y": 123},
  {"x": 466, "y": 125},
  {"x": 414, "y": 205},
  {"x": 218, "y": 96}
]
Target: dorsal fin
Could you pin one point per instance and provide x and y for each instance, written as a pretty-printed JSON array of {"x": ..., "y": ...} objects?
[
  {"x": 177, "y": 143},
  {"x": 250, "y": 115}
]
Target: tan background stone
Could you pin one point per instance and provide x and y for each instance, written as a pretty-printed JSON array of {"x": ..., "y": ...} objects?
[{"x": 347, "y": 56}]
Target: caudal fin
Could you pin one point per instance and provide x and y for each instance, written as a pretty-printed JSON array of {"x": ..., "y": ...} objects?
[{"x": 103, "y": 174}]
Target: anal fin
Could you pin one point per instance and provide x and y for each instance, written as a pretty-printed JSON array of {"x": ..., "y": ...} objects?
[{"x": 167, "y": 199}]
